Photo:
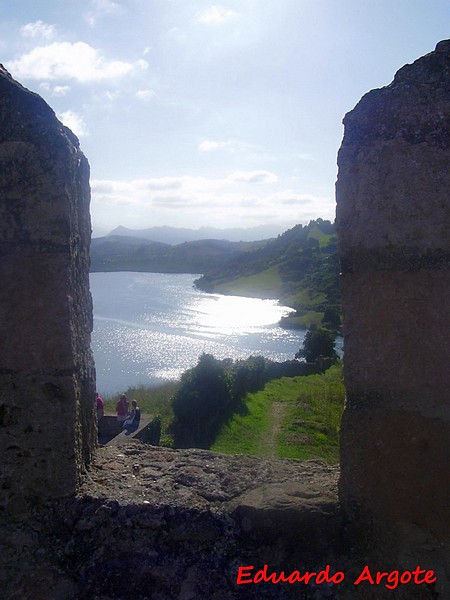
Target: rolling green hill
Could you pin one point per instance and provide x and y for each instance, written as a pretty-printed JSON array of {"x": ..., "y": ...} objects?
[
  {"x": 300, "y": 267},
  {"x": 126, "y": 253}
]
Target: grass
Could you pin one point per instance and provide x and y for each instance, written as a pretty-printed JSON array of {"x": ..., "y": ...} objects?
[
  {"x": 266, "y": 284},
  {"x": 323, "y": 238},
  {"x": 310, "y": 424},
  {"x": 309, "y": 309},
  {"x": 304, "y": 321},
  {"x": 306, "y": 297},
  {"x": 293, "y": 417},
  {"x": 243, "y": 434}
]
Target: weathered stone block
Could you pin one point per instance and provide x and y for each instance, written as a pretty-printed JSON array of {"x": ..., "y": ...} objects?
[
  {"x": 393, "y": 222},
  {"x": 47, "y": 430}
]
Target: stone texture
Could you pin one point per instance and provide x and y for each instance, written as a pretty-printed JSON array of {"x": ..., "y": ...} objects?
[
  {"x": 160, "y": 524},
  {"x": 393, "y": 223},
  {"x": 46, "y": 365},
  {"x": 166, "y": 524}
]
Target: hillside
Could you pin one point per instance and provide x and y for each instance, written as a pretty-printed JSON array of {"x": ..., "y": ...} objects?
[
  {"x": 122, "y": 253},
  {"x": 291, "y": 417},
  {"x": 300, "y": 268}
]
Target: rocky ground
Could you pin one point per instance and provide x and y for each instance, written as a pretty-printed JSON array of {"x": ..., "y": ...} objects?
[
  {"x": 197, "y": 478},
  {"x": 156, "y": 523},
  {"x": 160, "y": 524}
]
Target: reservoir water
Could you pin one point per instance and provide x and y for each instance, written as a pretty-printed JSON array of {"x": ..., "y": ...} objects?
[{"x": 150, "y": 327}]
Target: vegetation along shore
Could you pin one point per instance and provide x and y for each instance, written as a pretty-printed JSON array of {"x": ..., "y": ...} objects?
[{"x": 253, "y": 406}]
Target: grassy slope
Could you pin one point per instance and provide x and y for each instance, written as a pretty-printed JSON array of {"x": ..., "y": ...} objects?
[
  {"x": 295, "y": 417},
  {"x": 298, "y": 268},
  {"x": 292, "y": 417},
  {"x": 266, "y": 284},
  {"x": 323, "y": 238}
]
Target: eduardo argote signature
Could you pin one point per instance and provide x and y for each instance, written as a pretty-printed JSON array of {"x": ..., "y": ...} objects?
[{"x": 390, "y": 579}]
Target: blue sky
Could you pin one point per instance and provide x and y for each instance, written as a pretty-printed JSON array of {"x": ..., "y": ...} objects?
[{"x": 224, "y": 113}]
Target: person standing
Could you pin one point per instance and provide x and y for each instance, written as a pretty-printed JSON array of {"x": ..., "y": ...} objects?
[
  {"x": 100, "y": 407},
  {"x": 122, "y": 409}
]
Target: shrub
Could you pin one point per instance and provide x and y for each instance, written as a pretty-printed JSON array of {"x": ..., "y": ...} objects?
[
  {"x": 202, "y": 402},
  {"x": 318, "y": 342}
]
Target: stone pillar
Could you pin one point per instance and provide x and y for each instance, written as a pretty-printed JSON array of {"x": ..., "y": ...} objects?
[
  {"x": 47, "y": 377},
  {"x": 393, "y": 223}
]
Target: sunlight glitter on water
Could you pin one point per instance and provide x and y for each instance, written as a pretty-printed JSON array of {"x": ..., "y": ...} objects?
[
  {"x": 228, "y": 314},
  {"x": 152, "y": 327}
]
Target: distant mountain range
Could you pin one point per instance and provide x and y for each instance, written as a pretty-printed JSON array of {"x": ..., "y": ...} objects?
[
  {"x": 178, "y": 235},
  {"x": 126, "y": 253}
]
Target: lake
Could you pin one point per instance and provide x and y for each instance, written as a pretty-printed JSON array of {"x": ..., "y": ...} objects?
[{"x": 150, "y": 327}]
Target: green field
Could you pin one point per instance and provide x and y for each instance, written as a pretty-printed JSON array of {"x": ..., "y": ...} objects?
[
  {"x": 292, "y": 417},
  {"x": 266, "y": 284},
  {"x": 323, "y": 238},
  {"x": 296, "y": 417}
]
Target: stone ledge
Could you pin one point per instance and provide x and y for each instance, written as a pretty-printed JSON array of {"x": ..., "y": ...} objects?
[
  {"x": 195, "y": 477},
  {"x": 181, "y": 522}
]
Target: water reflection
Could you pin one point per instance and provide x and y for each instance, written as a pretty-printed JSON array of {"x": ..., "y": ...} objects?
[
  {"x": 151, "y": 327},
  {"x": 229, "y": 314}
]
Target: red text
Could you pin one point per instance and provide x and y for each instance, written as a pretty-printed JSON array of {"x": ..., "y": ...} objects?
[
  {"x": 245, "y": 575},
  {"x": 391, "y": 579}
]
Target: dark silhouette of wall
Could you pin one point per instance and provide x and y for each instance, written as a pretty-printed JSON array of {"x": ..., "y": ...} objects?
[
  {"x": 47, "y": 430},
  {"x": 393, "y": 223}
]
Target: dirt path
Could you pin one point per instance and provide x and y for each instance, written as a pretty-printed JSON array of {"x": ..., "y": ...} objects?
[{"x": 275, "y": 417}]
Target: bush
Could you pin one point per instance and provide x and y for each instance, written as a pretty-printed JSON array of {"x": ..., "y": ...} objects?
[
  {"x": 202, "y": 402},
  {"x": 214, "y": 390},
  {"x": 332, "y": 319},
  {"x": 319, "y": 342}
]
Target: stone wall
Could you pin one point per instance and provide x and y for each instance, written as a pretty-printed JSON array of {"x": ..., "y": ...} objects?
[
  {"x": 47, "y": 430},
  {"x": 159, "y": 524},
  {"x": 393, "y": 221}
]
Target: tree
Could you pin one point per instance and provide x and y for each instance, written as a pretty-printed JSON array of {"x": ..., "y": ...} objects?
[
  {"x": 318, "y": 342},
  {"x": 331, "y": 318},
  {"x": 249, "y": 375},
  {"x": 202, "y": 403}
]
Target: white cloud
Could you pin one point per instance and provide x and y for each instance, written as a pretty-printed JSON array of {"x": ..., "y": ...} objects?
[
  {"x": 145, "y": 94},
  {"x": 102, "y": 8},
  {"x": 112, "y": 95},
  {"x": 291, "y": 198},
  {"x": 254, "y": 177},
  {"x": 38, "y": 29},
  {"x": 60, "y": 90},
  {"x": 63, "y": 60},
  {"x": 215, "y": 15},
  {"x": 57, "y": 90},
  {"x": 187, "y": 192},
  {"x": 211, "y": 145},
  {"x": 74, "y": 122},
  {"x": 195, "y": 201},
  {"x": 233, "y": 146},
  {"x": 137, "y": 189}
]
